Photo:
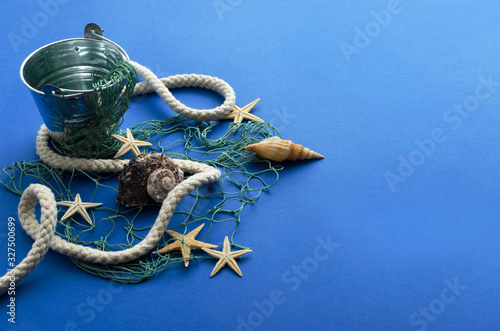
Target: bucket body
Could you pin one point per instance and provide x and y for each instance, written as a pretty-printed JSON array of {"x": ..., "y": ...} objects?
[{"x": 59, "y": 76}]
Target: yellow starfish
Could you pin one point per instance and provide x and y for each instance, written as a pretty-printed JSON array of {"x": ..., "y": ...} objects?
[
  {"x": 129, "y": 143},
  {"x": 185, "y": 243},
  {"x": 226, "y": 257},
  {"x": 239, "y": 114},
  {"x": 78, "y": 206}
]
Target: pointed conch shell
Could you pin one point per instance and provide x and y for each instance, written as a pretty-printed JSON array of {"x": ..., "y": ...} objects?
[{"x": 279, "y": 150}]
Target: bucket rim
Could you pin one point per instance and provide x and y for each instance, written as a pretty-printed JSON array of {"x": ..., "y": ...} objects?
[{"x": 58, "y": 42}]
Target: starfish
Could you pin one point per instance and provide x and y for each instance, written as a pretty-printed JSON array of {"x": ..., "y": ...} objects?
[
  {"x": 129, "y": 143},
  {"x": 226, "y": 257},
  {"x": 78, "y": 206},
  {"x": 239, "y": 114},
  {"x": 185, "y": 243}
]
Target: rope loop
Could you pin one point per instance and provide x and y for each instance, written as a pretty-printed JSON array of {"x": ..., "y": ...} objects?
[
  {"x": 161, "y": 86},
  {"x": 43, "y": 232}
]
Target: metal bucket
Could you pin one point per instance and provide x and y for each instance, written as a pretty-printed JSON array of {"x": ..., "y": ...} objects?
[{"x": 59, "y": 76}]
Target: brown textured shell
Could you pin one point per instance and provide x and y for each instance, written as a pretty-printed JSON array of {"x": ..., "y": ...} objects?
[
  {"x": 281, "y": 150},
  {"x": 132, "y": 181}
]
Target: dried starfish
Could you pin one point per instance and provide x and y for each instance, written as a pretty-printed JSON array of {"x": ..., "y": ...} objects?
[
  {"x": 239, "y": 114},
  {"x": 185, "y": 243},
  {"x": 226, "y": 257},
  {"x": 78, "y": 206},
  {"x": 129, "y": 143}
]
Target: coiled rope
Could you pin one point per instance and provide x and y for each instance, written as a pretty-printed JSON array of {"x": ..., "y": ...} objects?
[{"x": 43, "y": 232}]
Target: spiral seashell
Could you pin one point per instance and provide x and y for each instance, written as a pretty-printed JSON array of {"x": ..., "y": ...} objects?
[
  {"x": 152, "y": 172},
  {"x": 161, "y": 182},
  {"x": 279, "y": 150}
]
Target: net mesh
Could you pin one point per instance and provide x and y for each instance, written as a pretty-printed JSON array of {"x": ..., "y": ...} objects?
[
  {"x": 218, "y": 205},
  {"x": 110, "y": 100}
]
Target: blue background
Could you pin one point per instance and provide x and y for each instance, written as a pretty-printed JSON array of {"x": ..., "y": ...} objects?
[{"x": 365, "y": 83}]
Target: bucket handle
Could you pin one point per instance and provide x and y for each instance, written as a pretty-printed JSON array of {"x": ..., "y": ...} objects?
[
  {"x": 54, "y": 91},
  {"x": 94, "y": 31},
  {"x": 59, "y": 94}
]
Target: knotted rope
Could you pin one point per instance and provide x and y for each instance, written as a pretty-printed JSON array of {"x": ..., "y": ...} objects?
[{"x": 44, "y": 232}]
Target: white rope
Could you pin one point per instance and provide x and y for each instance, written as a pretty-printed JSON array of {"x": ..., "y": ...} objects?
[
  {"x": 161, "y": 86},
  {"x": 44, "y": 232}
]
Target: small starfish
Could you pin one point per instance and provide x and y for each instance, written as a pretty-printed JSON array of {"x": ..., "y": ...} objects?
[
  {"x": 129, "y": 143},
  {"x": 239, "y": 114},
  {"x": 226, "y": 257},
  {"x": 185, "y": 243},
  {"x": 78, "y": 206}
]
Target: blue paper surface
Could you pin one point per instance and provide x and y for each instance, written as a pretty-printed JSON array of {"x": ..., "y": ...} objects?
[{"x": 398, "y": 228}]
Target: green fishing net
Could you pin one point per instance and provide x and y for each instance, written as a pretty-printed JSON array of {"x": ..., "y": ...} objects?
[
  {"x": 218, "y": 205},
  {"x": 111, "y": 99}
]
